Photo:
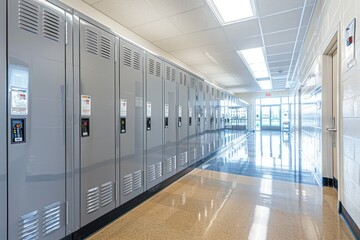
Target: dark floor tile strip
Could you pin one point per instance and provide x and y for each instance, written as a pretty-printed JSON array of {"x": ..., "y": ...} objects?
[{"x": 350, "y": 222}]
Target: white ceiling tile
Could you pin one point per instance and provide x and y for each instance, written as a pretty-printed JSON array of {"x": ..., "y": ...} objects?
[
  {"x": 127, "y": 12},
  {"x": 248, "y": 43},
  {"x": 281, "y": 22},
  {"x": 192, "y": 40},
  {"x": 91, "y": 1},
  {"x": 280, "y": 64},
  {"x": 174, "y": 7},
  {"x": 210, "y": 68},
  {"x": 157, "y": 30},
  {"x": 195, "y": 20},
  {"x": 279, "y": 57},
  {"x": 268, "y": 7},
  {"x": 281, "y": 37},
  {"x": 282, "y": 48},
  {"x": 244, "y": 29},
  {"x": 307, "y": 16}
]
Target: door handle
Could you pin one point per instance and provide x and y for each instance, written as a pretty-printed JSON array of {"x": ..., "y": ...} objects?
[{"x": 332, "y": 129}]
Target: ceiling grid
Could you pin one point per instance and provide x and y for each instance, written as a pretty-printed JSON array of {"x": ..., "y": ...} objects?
[{"x": 189, "y": 31}]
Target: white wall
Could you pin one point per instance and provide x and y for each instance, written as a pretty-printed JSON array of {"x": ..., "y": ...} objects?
[{"x": 329, "y": 17}]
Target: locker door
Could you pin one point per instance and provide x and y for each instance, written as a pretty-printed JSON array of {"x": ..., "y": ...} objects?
[
  {"x": 131, "y": 121},
  {"x": 200, "y": 120},
  {"x": 170, "y": 124},
  {"x": 182, "y": 122},
  {"x": 208, "y": 121},
  {"x": 36, "y": 107},
  {"x": 3, "y": 175},
  {"x": 192, "y": 121},
  {"x": 154, "y": 120},
  {"x": 97, "y": 124}
]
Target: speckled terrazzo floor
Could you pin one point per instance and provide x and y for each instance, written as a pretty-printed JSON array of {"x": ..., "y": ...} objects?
[{"x": 213, "y": 205}]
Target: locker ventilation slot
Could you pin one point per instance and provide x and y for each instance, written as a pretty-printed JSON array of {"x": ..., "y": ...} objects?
[
  {"x": 168, "y": 165},
  {"x": 51, "y": 26},
  {"x": 29, "y": 226},
  {"x": 106, "y": 194},
  {"x": 173, "y": 75},
  {"x": 105, "y": 48},
  {"x": 151, "y": 66},
  {"x": 185, "y": 80},
  {"x": 181, "y": 78},
  {"x": 151, "y": 173},
  {"x": 174, "y": 163},
  {"x": 127, "y": 56},
  {"x": 200, "y": 87},
  {"x": 137, "y": 60},
  {"x": 128, "y": 184},
  {"x": 28, "y": 16},
  {"x": 92, "y": 199},
  {"x": 91, "y": 42},
  {"x": 168, "y": 73},
  {"x": 193, "y": 83},
  {"x": 207, "y": 89},
  {"x": 51, "y": 219},
  {"x": 158, "y": 170},
  {"x": 137, "y": 180},
  {"x": 158, "y": 69}
]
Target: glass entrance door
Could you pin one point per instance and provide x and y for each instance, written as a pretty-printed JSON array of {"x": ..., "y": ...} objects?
[{"x": 271, "y": 117}]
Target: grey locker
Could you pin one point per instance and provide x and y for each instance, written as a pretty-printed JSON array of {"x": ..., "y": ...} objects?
[
  {"x": 208, "y": 120},
  {"x": 36, "y": 107},
  {"x": 170, "y": 121},
  {"x": 131, "y": 121},
  {"x": 154, "y": 120},
  {"x": 193, "y": 144},
  {"x": 182, "y": 121},
  {"x": 201, "y": 121},
  {"x": 97, "y": 124},
  {"x": 3, "y": 175}
]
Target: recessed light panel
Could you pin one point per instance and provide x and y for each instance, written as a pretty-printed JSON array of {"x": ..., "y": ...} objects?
[{"x": 231, "y": 11}]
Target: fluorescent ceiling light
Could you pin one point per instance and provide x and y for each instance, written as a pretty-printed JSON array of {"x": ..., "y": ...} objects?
[
  {"x": 230, "y": 11},
  {"x": 265, "y": 84},
  {"x": 254, "y": 58}
]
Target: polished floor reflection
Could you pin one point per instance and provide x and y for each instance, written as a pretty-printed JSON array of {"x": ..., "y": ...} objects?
[
  {"x": 265, "y": 154},
  {"x": 215, "y": 205}
]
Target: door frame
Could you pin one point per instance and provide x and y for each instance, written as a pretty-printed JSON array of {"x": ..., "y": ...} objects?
[{"x": 332, "y": 47}]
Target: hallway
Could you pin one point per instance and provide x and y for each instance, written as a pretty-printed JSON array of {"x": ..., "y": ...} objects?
[
  {"x": 265, "y": 154},
  {"x": 215, "y": 201}
]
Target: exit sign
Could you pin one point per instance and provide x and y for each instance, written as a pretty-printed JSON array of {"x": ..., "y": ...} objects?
[{"x": 268, "y": 94}]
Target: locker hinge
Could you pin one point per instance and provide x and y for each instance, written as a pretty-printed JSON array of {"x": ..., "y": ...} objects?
[
  {"x": 67, "y": 212},
  {"x": 66, "y": 33}
]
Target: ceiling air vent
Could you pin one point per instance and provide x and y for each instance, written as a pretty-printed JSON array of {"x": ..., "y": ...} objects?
[
  {"x": 51, "y": 26},
  {"x": 105, "y": 47},
  {"x": 28, "y": 16},
  {"x": 91, "y": 41}
]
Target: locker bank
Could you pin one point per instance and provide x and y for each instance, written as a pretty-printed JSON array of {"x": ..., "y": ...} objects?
[{"x": 172, "y": 120}]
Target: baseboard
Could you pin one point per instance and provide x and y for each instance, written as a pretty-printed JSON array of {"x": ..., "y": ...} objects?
[
  {"x": 350, "y": 222},
  {"x": 327, "y": 182},
  {"x": 336, "y": 184}
]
